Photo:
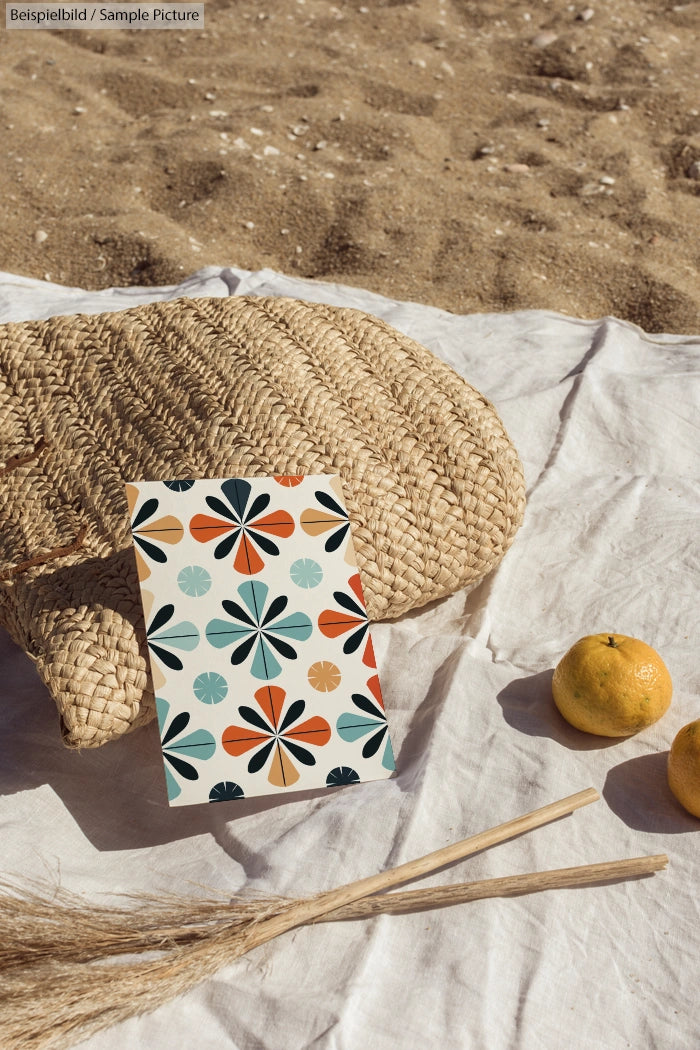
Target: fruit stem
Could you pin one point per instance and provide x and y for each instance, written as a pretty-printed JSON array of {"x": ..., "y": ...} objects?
[{"x": 611, "y": 642}]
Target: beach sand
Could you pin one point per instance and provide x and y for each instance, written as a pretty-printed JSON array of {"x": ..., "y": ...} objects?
[{"x": 476, "y": 156}]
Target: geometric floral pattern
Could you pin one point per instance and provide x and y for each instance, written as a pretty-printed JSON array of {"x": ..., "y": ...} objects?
[
  {"x": 150, "y": 533},
  {"x": 349, "y": 617},
  {"x": 274, "y": 731},
  {"x": 368, "y": 720},
  {"x": 257, "y": 627},
  {"x": 245, "y": 529},
  {"x": 258, "y": 637},
  {"x": 328, "y": 518},
  {"x": 179, "y": 751},
  {"x": 163, "y": 636}
]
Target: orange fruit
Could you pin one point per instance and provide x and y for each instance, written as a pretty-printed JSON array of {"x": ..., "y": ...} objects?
[
  {"x": 684, "y": 767},
  {"x": 611, "y": 685}
]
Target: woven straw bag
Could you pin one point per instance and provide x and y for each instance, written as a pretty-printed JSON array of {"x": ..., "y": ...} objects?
[{"x": 224, "y": 388}]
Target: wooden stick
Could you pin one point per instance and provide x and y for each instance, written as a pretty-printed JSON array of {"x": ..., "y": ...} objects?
[
  {"x": 306, "y": 910},
  {"x": 509, "y": 886}
]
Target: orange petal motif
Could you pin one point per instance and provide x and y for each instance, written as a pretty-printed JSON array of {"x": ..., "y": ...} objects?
[
  {"x": 132, "y": 498},
  {"x": 289, "y": 481},
  {"x": 373, "y": 686},
  {"x": 236, "y": 740},
  {"x": 247, "y": 560},
  {"x": 143, "y": 570},
  {"x": 157, "y": 677},
  {"x": 314, "y": 731},
  {"x": 278, "y": 524},
  {"x": 355, "y": 584},
  {"x": 166, "y": 530},
  {"x": 282, "y": 771},
  {"x": 271, "y": 700},
  {"x": 315, "y": 522},
  {"x": 332, "y": 623},
  {"x": 368, "y": 657},
  {"x": 204, "y": 528}
]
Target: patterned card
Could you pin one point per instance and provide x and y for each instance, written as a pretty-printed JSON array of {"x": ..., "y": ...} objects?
[{"x": 261, "y": 657}]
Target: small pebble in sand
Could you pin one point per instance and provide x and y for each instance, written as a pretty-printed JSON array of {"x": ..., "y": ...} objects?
[
  {"x": 586, "y": 15},
  {"x": 78, "y": 110},
  {"x": 516, "y": 169},
  {"x": 271, "y": 151},
  {"x": 694, "y": 170},
  {"x": 543, "y": 122},
  {"x": 40, "y": 236},
  {"x": 249, "y": 225},
  {"x": 589, "y": 189},
  {"x": 544, "y": 39},
  {"x": 607, "y": 180}
]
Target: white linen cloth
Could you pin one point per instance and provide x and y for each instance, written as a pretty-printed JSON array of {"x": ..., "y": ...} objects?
[{"x": 605, "y": 419}]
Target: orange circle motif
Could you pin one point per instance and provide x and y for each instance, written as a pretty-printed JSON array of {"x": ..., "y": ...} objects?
[
  {"x": 289, "y": 481},
  {"x": 324, "y": 676}
]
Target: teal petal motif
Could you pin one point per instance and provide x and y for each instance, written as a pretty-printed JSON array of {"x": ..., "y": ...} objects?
[
  {"x": 200, "y": 744},
  {"x": 264, "y": 666},
  {"x": 179, "y": 750},
  {"x": 351, "y": 727},
  {"x": 368, "y": 720},
  {"x": 221, "y": 633},
  {"x": 171, "y": 785},
  {"x": 254, "y": 593},
  {"x": 162, "y": 709},
  {"x": 183, "y": 636},
  {"x": 257, "y": 627},
  {"x": 297, "y": 626}
]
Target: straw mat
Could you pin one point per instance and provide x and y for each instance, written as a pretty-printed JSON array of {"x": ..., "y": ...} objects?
[{"x": 223, "y": 388}]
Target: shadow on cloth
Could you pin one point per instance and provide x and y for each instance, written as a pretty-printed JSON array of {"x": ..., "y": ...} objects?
[
  {"x": 115, "y": 793},
  {"x": 637, "y": 792},
  {"x": 528, "y": 707}
]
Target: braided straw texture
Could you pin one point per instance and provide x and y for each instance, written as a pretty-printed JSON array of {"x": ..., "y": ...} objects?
[{"x": 224, "y": 388}]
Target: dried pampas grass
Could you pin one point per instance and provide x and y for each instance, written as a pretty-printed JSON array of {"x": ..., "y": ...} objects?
[{"x": 70, "y": 968}]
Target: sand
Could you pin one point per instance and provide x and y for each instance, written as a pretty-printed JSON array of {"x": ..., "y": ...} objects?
[{"x": 477, "y": 156}]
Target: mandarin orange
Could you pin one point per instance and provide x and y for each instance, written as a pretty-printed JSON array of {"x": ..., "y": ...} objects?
[{"x": 611, "y": 685}]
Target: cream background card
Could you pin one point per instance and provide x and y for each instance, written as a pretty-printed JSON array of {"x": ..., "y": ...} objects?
[{"x": 260, "y": 650}]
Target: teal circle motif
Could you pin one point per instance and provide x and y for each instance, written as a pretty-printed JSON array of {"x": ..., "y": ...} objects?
[
  {"x": 194, "y": 581},
  {"x": 210, "y": 687},
  {"x": 306, "y": 572}
]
